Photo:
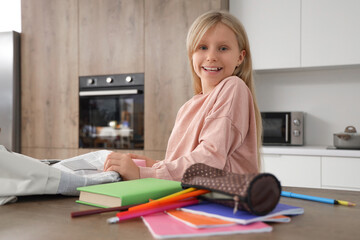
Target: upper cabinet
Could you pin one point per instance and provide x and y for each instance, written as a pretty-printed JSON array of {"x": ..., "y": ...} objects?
[
  {"x": 300, "y": 33},
  {"x": 330, "y": 32},
  {"x": 273, "y": 29},
  {"x": 111, "y": 37},
  {"x": 49, "y": 72}
]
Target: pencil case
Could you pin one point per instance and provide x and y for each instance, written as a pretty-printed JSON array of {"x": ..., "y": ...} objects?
[{"x": 256, "y": 193}]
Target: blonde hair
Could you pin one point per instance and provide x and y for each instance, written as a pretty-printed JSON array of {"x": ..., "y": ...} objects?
[{"x": 197, "y": 30}]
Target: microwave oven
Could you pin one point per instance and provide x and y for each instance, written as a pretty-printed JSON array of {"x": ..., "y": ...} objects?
[{"x": 283, "y": 128}]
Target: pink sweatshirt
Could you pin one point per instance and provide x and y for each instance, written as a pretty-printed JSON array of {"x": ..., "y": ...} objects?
[{"x": 217, "y": 129}]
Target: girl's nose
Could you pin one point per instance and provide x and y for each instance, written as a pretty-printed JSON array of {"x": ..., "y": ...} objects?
[{"x": 211, "y": 56}]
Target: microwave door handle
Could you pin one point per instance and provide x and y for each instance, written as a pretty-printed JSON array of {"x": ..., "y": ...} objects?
[
  {"x": 287, "y": 128},
  {"x": 109, "y": 92}
]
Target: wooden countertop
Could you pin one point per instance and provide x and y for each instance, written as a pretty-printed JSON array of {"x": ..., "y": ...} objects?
[{"x": 48, "y": 217}]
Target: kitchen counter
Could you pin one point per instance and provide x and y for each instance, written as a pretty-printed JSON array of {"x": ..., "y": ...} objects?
[{"x": 310, "y": 151}]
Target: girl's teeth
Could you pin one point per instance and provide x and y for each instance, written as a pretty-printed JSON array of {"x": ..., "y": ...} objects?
[{"x": 211, "y": 69}]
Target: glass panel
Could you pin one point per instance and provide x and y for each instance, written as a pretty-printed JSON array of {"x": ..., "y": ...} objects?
[
  {"x": 274, "y": 128},
  {"x": 112, "y": 122}
]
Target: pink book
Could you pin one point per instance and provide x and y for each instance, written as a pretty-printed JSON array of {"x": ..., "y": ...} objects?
[
  {"x": 198, "y": 221},
  {"x": 163, "y": 226}
]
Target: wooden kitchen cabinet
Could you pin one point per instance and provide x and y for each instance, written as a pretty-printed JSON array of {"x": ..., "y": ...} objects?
[
  {"x": 61, "y": 40},
  {"x": 111, "y": 37},
  {"x": 168, "y": 81},
  {"x": 64, "y": 39},
  {"x": 294, "y": 171},
  {"x": 49, "y": 73},
  {"x": 273, "y": 29}
]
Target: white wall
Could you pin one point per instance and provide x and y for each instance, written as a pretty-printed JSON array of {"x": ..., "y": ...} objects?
[
  {"x": 330, "y": 97},
  {"x": 10, "y": 15}
]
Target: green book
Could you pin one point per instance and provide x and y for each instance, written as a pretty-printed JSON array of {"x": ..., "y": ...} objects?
[{"x": 127, "y": 192}]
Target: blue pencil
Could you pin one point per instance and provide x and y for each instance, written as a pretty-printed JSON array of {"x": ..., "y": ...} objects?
[{"x": 316, "y": 199}]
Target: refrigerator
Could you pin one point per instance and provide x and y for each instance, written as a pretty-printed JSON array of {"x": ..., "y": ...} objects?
[{"x": 10, "y": 90}]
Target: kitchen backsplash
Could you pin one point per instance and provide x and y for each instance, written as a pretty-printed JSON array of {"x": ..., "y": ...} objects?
[{"x": 328, "y": 96}]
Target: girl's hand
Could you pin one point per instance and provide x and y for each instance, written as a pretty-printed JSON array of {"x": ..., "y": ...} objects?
[
  {"x": 149, "y": 161},
  {"x": 123, "y": 164}
]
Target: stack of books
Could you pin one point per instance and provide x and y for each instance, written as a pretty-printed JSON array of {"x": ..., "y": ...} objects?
[
  {"x": 179, "y": 210},
  {"x": 209, "y": 219}
]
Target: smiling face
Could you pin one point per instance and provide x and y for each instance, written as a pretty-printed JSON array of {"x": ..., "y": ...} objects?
[{"x": 216, "y": 56}]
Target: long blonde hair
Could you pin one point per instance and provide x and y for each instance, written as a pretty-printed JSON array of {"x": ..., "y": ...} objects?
[{"x": 197, "y": 30}]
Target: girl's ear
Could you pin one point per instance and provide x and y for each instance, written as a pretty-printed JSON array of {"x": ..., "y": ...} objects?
[{"x": 241, "y": 57}]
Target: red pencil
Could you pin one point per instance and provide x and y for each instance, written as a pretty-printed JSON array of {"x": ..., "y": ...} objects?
[{"x": 154, "y": 209}]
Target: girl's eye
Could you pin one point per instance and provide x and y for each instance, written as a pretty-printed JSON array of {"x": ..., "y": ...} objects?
[
  {"x": 202, "y": 47},
  {"x": 223, "y": 48}
]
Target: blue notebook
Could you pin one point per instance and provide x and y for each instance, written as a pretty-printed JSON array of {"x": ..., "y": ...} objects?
[{"x": 243, "y": 217}]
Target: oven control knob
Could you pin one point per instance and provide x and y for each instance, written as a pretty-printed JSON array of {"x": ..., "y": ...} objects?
[
  {"x": 296, "y": 122},
  {"x": 128, "y": 79},
  {"x": 90, "y": 81},
  {"x": 296, "y": 133},
  {"x": 109, "y": 80}
]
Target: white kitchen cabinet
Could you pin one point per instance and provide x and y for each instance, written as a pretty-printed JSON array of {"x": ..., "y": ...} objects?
[
  {"x": 330, "y": 32},
  {"x": 300, "y": 33},
  {"x": 273, "y": 28},
  {"x": 341, "y": 173},
  {"x": 317, "y": 171},
  {"x": 294, "y": 171}
]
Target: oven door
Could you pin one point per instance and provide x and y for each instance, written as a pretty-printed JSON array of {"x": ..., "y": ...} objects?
[
  {"x": 276, "y": 128},
  {"x": 112, "y": 119}
]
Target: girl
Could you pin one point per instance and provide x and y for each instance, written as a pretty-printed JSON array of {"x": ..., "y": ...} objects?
[{"x": 221, "y": 125}]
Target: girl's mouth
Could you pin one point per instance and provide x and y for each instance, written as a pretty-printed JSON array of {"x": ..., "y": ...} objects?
[{"x": 212, "y": 69}]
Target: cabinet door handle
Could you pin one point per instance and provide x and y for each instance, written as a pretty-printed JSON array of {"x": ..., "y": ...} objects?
[{"x": 287, "y": 128}]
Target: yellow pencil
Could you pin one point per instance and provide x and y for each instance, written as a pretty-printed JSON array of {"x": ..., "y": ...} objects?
[
  {"x": 170, "y": 199},
  {"x": 345, "y": 203},
  {"x": 177, "y": 193}
]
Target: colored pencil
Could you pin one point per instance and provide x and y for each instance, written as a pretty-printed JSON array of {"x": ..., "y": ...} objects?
[
  {"x": 169, "y": 200},
  {"x": 100, "y": 210},
  {"x": 154, "y": 209},
  {"x": 345, "y": 203},
  {"x": 177, "y": 194},
  {"x": 316, "y": 199}
]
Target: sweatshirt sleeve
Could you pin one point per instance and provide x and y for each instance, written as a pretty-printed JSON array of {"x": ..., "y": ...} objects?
[
  {"x": 217, "y": 139},
  {"x": 222, "y": 132}
]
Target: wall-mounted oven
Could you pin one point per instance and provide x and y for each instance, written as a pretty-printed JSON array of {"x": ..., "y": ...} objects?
[
  {"x": 283, "y": 128},
  {"x": 111, "y": 111}
]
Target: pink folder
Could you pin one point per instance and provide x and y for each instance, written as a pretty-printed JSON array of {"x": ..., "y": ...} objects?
[{"x": 163, "y": 226}]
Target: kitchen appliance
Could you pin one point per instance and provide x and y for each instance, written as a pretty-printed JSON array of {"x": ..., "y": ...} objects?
[
  {"x": 10, "y": 90},
  {"x": 111, "y": 111},
  {"x": 349, "y": 139},
  {"x": 283, "y": 128}
]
